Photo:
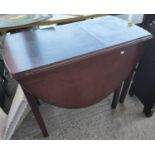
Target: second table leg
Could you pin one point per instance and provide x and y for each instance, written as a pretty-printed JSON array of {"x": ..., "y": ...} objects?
[
  {"x": 116, "y": 97},
  {"x": 125, "y": 88}
]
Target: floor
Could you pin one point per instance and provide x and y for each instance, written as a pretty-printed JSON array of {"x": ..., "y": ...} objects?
[{"x": 92, "y": 123}]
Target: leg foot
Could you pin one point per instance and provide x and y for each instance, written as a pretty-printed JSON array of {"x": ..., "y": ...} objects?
[{"x": 147, "y": 111}]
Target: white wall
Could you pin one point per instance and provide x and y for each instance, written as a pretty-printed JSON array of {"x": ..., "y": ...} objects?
[{"x": 137, "y": 18}]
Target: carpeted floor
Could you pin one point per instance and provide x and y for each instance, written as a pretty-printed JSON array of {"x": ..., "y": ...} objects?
[{"x": 95, "y": 122}]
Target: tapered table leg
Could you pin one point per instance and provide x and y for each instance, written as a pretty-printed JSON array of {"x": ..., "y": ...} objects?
[
  {"x": 116, "y": 97},
  {"x": 125, "y": 88},
  {"x": 37, "y": 100},
  {"x": 35, "y": 109},
  {"x": 131, "y": 90}
]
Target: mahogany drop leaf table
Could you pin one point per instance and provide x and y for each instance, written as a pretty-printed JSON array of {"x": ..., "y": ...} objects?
[{"x": 74, "y": 65}]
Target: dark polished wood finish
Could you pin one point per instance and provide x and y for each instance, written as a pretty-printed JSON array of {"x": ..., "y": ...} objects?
[
  {"x": 116, "y": 97},
  {"x": 35, "y": 109},
  {"x": 125, "y": 88},
  {"x": 85, "y": 81},
  {"x": 30, "y": 52},
  {"x": 75, "y": 65}
]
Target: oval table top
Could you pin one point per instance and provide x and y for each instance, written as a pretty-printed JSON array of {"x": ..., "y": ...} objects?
[{"x": 31, "y": 50}]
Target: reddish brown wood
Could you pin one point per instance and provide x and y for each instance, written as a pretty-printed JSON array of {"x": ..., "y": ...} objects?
[
  {"x": 35, "y": 109},
  {"x": 86, "y": 81},
  {"x": 75, "y": 65},
  {"x": 116, "y": 97},
  {"x": 126, "y": 87},
  {"x": 30, "y": 52}
]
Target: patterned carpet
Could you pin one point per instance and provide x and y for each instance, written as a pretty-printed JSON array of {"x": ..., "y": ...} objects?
[{"x": 92, "y": 123}]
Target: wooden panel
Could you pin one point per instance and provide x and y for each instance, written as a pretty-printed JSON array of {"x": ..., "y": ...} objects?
[{"x": 84, "y": 82}]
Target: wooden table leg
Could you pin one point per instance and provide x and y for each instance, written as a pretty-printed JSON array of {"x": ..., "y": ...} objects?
[
  {"x": 116, "y": 97},
  {"x": 148, "y": 110},
  {"x": 35, "y": 109},
  {"x": 131, "y": 90},
  {"x": 37, "y": 100},
  {"x": 125, "y": 88}
]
